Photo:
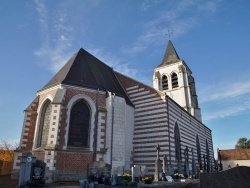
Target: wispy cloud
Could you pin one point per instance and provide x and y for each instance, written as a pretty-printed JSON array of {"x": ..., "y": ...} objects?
[
  {"x": 229, "y": 110},
  {"x": 180, "y": 17},
  {"x": 210, "y": 6},
  {"x": 147, "y": 4},
  {"x": 230, "y": 99},
  {"x": 116, "y": 63},
  {"x": 42, "y": 11},
  {"x": 54, "y": 51},
  {"x": 224, "y": 91}
]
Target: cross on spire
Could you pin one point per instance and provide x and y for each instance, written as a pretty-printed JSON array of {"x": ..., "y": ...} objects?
[{"x": 169, "y": 33}]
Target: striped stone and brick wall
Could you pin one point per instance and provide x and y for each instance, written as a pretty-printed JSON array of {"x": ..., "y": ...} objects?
[{"x": 155, "y": 118}]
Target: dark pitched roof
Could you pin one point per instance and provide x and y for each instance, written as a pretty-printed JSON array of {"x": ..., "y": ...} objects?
[
  {"x": 235, "y": 154},
  {"x": 170, "y": 55},
  {"x": 85, "y": 70}
]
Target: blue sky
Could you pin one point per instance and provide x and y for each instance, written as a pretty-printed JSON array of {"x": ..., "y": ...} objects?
[{"x": 212, "y": 36}]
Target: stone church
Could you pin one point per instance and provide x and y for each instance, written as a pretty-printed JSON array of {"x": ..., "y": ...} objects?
[{"x": 89, "y": 112}]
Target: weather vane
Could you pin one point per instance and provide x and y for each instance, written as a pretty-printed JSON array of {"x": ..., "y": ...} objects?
[{"x": 169, "y": 33}]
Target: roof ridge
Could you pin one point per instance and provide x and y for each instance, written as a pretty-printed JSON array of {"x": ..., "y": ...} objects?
[{"x": 85, "y": 70}]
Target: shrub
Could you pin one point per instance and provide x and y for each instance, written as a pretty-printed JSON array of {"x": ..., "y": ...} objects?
[{"x": 132, "y": 184}]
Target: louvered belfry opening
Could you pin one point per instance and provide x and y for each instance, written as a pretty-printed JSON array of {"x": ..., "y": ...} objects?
[
  {"x": 79, "y": 125},
  {"x": 164, "y": 82},
  {"x": 175, "y": 80}
]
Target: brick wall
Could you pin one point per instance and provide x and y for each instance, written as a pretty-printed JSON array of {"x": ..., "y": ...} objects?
[
  {"x": 5, "y": 167},
  {"x": 29, "y": 126},
  {"x": 73, "y": 161}
]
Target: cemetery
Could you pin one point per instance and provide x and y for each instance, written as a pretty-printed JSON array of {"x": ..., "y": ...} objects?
[{"x": 100, "y": 174}]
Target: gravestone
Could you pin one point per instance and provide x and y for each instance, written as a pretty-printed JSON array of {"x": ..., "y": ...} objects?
[
  {"x": 99, "y": 170},
  {"x": 119, "y": 170},
  {"x": 135, "y": 172},
  {"x": 144, "y": 169},
  {"x": 99, "y": 167},
  {"x": 169, "y": 178},
  {"x": 31, "y": 171},
  {"x": 157, "y": 164},
  {"x": 164, "y": 167},
  {"x": 37, "y": 177},
  {"x": 83, "y": 183},
  {"x": 25, "y": 169}
]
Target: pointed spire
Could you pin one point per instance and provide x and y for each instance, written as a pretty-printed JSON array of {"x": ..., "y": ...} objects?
[{"x": 170, "y": 55}]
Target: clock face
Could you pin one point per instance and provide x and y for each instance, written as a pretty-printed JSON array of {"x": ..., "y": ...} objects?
[{"x": 29, "y": 159}]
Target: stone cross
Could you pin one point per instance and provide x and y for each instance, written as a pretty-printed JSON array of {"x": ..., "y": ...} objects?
[
  {"x": 164, "y": 168},
  {"x": 25, "y": 169},
  {"x": 204, "y": 159},
  {"x": 164, "y": 164},
  {"x": 157, "y": 151},
  {"x": 157, "y": 164}
]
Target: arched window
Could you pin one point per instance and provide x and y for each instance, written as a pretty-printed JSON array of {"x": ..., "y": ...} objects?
[
  {"x": 79, "y": 125},
  {"x": 177, "y": 141},
  {"x": 164, "y": 82},
  {"x": 44, "y": 124},
  {"x": 174, "y": 78},
  {"x": 198, "y": 149}
]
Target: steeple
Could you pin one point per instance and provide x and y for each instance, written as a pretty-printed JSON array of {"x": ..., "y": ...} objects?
[
  {"x": 170, "y": 55},
  {"x": 174, "y": 78}
]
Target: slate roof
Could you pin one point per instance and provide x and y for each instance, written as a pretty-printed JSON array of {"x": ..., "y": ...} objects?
[
  {"x": 85, "y": 70},
  {"x": 170, "y": 55},
  {"x": 235, "y": 154}
]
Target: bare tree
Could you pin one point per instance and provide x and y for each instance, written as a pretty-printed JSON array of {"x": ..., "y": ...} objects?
[{"x": 7, "y": 150}]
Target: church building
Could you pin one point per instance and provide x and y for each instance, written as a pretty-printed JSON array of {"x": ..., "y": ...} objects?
[{"x": 89, "y": 112}]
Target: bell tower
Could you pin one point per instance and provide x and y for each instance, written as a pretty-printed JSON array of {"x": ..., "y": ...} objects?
[{"x": 174, "y": 78}]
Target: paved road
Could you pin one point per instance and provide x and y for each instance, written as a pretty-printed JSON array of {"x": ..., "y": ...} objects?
[{"x": 168, "y": 185}]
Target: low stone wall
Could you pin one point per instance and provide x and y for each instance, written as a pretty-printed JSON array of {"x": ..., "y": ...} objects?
[
  {"x": 5, "y": 167},
  {"x": 237, "y": 177}
]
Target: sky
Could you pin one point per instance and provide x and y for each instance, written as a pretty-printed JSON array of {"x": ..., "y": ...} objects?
[{"x": 212, "y": 36}]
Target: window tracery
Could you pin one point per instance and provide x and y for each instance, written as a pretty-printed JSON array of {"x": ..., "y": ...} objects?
[
  {"x": 79, "y": 125},
  {"x": 44, "y": 124}
]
